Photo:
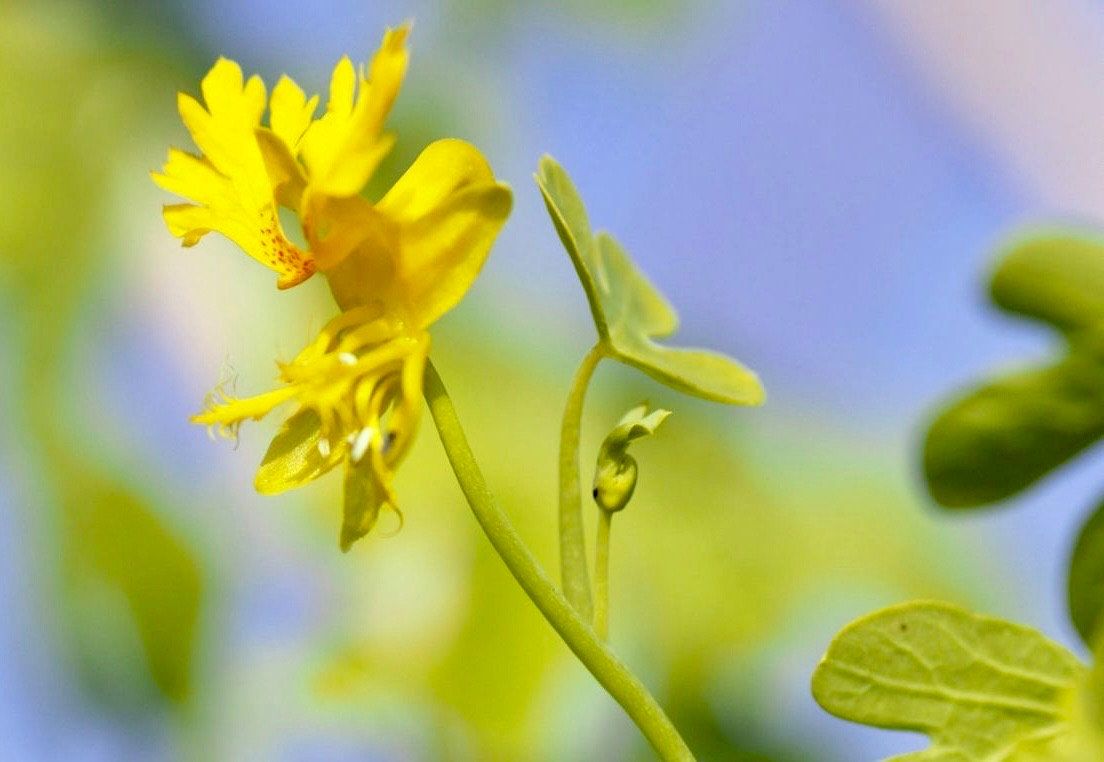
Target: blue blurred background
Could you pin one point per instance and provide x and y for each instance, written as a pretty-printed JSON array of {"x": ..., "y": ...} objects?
[{"x": 819, "y": 188}]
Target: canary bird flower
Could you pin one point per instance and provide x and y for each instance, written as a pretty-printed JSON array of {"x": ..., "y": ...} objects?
[{"x": 394, "y": 266}]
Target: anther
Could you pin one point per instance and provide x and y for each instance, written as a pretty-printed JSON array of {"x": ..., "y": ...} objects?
[
  {"x": 324, "y": 447},
  {"x": 360, "y": 445},
  {"x": 347, "y": 358}
]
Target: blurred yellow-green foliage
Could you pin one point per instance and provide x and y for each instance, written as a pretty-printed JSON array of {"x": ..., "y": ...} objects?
[
  {"x": 184, "y": 616},
  {"x": 65, "y": 148}
]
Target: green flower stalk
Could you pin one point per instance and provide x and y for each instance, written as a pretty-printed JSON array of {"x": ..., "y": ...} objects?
[
  {"x": 615, "y": 477},
  {"x": 630, "y": 315}
]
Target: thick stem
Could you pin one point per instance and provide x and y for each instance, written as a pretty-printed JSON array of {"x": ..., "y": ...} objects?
[
  {"x": 601, "y": 574},
  {"x": 614, "y": 676},
  {"x": 573, "y": 560}
]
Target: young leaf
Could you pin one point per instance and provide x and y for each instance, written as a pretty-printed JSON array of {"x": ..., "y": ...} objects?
[
  {"x": 1058, "y": 279},
  {"x": 979, "y": 687},
  {"x": 1003, "y": 436},
  {"x": 629, "y": 312},
  {"x": 1085, "y": 585}
]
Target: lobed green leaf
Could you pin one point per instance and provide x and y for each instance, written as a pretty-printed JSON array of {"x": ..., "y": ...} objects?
[
  {"x": 1010, "y": 432},
  {"x": 569, "y": 217},
  {"x": 1056, "y": 278},
  {"x": 629, "y": 312},
  {"x": 981, "y": 688},
  {"x": 1085, "y": 585}
]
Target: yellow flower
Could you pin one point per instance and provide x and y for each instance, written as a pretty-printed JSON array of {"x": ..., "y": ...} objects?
[{"x": 394, "y": 266}]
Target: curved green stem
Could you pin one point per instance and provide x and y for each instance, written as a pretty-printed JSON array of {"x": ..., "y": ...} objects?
[
  {"x": 573, "y": 560},
  {"x": 614, "y": 676},
  {"x": 601, "y": 574}
]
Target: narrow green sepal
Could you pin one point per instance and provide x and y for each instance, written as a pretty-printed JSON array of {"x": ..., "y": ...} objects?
[
  {"x": 362, "y": 503},
  {"x": 294, "y": 456}
]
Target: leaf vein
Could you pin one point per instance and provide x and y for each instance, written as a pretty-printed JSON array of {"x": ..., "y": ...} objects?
[{"x": 954, "y": 695}]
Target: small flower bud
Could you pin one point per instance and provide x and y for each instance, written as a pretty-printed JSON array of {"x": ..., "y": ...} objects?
[{"x": 616, "y": 471}]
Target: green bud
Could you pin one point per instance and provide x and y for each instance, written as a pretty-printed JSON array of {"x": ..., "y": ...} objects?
[{"x": 616, "y": 471}]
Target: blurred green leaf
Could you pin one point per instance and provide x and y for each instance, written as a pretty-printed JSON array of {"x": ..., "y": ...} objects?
[
  {"x": 1058, "y": 279},
  {"x": 629, "y": 312},
  {"x": 129, "y": 588},
  {"x": 979, "y": 687},
  {"x": 1086, "y": 578},
  {"x": 1008, "y": 433},
  {"x": 1089, "y": 703},
  {"x": 1003, "y": 436},
  {"x": 115, "y": 541}
]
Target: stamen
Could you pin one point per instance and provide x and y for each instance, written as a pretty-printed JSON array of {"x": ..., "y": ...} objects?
[
  {"x": 347, "y": 358},
  {"x": 360, "y": 445},
  {"x": 324, "y": 447}
]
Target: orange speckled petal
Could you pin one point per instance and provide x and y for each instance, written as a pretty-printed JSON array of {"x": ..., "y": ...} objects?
[{"x": 230, "y": 185}]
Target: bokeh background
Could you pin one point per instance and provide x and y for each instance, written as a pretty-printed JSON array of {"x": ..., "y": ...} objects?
[{"x": 818, "y": 187}]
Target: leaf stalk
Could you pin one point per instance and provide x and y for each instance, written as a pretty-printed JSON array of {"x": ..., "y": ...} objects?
[{"x": 575, "y": 631}]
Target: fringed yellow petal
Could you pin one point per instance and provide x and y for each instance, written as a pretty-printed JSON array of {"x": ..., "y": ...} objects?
[
  {"x": 226, "y": 95},
  {"x": 187, "y": 175},
  {"x": 188, "y": 222},
  {"x": 284, "y": 172},
  {"x": 290, "y": 112},
  {"x": 255, "y": 97},
  {"x": 444, "y": 251},
  {"x": 230, "y": 183},
  {"x": 223, "y": 130},
  {"x": 359, "y": 391},
  {"x": 441, "y": 169},
  {"x": 222, "y": 85},
  {"x": 394, "y": 267},
  {"x": 342, "y": 87},
  {"x": 344, "y": 147},
  {"x": 225, "y": 414},
  {"x": 448, "y": 209}
]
